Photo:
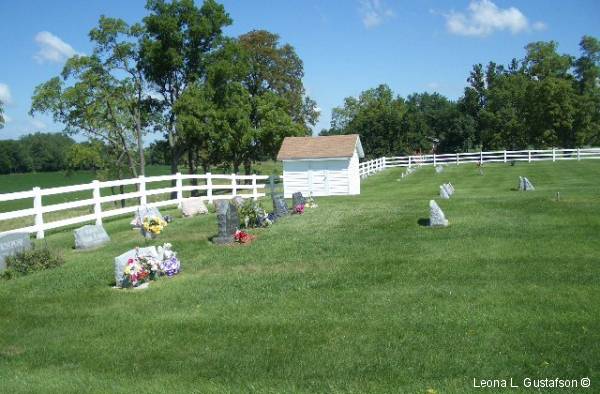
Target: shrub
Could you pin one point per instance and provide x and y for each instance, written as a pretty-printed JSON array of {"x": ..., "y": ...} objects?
[{"x": 29, "y": 261}]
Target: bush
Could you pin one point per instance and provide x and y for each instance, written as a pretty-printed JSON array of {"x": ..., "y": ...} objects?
[{"x": 29, "y": 261}]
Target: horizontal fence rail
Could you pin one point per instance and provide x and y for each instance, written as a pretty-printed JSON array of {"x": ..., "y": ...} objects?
[
  {"x": 245, "y": 186},
  {"x": 371, "y": 167}
]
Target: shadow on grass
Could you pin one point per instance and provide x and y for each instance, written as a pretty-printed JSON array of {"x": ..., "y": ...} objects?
[{"x": 423, "y": 222}]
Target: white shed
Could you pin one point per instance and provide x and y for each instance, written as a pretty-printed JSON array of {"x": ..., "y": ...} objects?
[{"x": 321, "y": 166}]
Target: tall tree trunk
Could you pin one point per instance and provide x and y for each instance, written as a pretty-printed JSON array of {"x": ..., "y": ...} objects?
[
  {"x": 192, "y": 169},
  {"x": 248, "y": 170}
]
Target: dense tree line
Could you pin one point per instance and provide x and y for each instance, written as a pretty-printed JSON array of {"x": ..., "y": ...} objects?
[
  {"x": 544, "y": 100},
  {"x": 218, "y": 100},
  {"x": 35, "y": 152}
]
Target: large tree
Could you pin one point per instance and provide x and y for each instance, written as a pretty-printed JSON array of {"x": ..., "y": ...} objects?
[
  {"x": 105, "y": 95},
  {"x": 177, "y": 44}
]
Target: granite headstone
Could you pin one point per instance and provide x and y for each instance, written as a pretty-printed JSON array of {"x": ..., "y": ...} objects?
[
  {"x": 193, "y": 206},
  {"x": 444, "y": 193},
  {"x": 527, "y": 186},
  {"x": 121, "y": 261},
  {"x": 143, "y": 212},
  {"x": 297, "y": 199},
  {"x": 436, "y": 215},
  {"x": 90, "y": 236},
  {"x": 11, "y": 244},
  {"x": 223, "y": 236},
  {"x": 280, "y": 208}
]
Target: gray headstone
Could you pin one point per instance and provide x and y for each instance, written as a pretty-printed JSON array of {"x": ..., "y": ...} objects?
[
  {"x": 448, "y": 189},
  {"x": 444, "y": 193},
  {"x": 439, "y": 169},
  {"x": 90, "y": 236},
  {"x": 121, "y": 261},
  {"x": 520, "y": 183},
  {"x": 233, "y": 219},
  {"x": 280, "y": 207},
  {"x": 11, "y": 244},
  {"x": 297, "y": 199},
  {"x": 451, "y": 187},
  {"x": 142, "y": 212},
  {"x": 193, "y": 206},
  {"x": 436, "y": 216},
  {"x": 227, "y": 221},
  {"x": 527, "y": 186},
  {"x": 239, "y": 201}
]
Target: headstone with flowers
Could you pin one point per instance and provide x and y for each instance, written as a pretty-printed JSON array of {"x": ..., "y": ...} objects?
[
  {"x": 152, "y": 226},
  {"x": 137, "y": 267},
  {"x": 142, "y": 212},
  {"x": 436, "y": 215}
]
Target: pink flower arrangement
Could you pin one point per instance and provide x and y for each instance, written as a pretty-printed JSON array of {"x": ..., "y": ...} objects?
[{"x": 299, "y": 209}]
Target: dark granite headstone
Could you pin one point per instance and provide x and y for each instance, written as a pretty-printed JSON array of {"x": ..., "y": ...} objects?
[
  {"x": 280, "y": 208},
  {"x": 11, "y": 244},
  {"x": 227, "y": 220},
  {"x": 233, "y": 219},
  {"x": 90, "y": 236},
  {"x": 297, "y": 199}
]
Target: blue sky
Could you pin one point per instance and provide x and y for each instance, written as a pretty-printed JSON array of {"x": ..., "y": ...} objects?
[{"x": 347, "y": 45}]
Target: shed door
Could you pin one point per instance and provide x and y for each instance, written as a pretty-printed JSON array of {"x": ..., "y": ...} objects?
[{"x": 328, "y": 177}]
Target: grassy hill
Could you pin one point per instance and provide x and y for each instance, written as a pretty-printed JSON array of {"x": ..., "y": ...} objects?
[{"x": 354, "y": 296}]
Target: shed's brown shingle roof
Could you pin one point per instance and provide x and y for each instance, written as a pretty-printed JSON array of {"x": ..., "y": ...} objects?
[{"x": 294, "y": 148}]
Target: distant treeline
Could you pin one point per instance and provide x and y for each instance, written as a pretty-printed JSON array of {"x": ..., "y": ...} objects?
[
  {"x": 41, "y": 152},
  {"x": 544, "y": 100}
]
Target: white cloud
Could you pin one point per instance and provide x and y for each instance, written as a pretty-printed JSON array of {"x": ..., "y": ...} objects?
[
  {"x": 433, "y": 86},
  {"x": 374, "y": 12},
  {"x": 52, "y": 48},
  {"x": 37, "y": 124},
  {"x": 7, "y": 119},
  {"x": 539, "y": 26},
  {"x": 5, "y": 95},
  {"x": 483, "y": 18}
]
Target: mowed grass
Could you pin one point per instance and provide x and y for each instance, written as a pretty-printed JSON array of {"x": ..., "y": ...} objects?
[{"x": 354, "y": 296}]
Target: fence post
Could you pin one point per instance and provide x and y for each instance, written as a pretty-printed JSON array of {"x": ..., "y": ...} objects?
[
  {"x": 254, "y": 189},
  {"x": 578, "y": 157},
  {"x": 384, "y": 164},
  {"x": 434, "y": 159},
  {"x": 457, "y": 158},
  {"x": 97, "y": 204},
  {"x": 553, "y": 154},
  {"x": 39, "y": 215},
  {"x": 179, "y": 186},
  {"x": 209, "y": 191},
  {"x": 529, "y": 156},
  {"x": 142, "y": 190},
  {"x": 409, "y": 165},
  {"x": 505, "y": 155},
  {"x": 233, "y": 185},
  {"x": 481, "y": 157}
]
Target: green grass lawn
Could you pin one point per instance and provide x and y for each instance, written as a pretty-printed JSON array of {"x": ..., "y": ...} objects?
[{"x": 354, "y": 296}]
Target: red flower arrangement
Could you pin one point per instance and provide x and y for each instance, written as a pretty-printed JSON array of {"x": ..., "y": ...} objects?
[
  {"x": 299, "y": 209},
  {"x": 243, "y": 237}
]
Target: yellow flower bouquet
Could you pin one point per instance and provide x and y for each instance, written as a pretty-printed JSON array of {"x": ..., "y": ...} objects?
[{"x": 152, "y": 226}]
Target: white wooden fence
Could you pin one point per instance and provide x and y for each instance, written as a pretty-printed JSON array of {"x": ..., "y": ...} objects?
[
  {"x": 371, "y": 167},
  {"x": 224, "y": 182}
]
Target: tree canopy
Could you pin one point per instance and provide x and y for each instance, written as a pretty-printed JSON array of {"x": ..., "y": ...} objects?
[{"x": 546, "y": 99}]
